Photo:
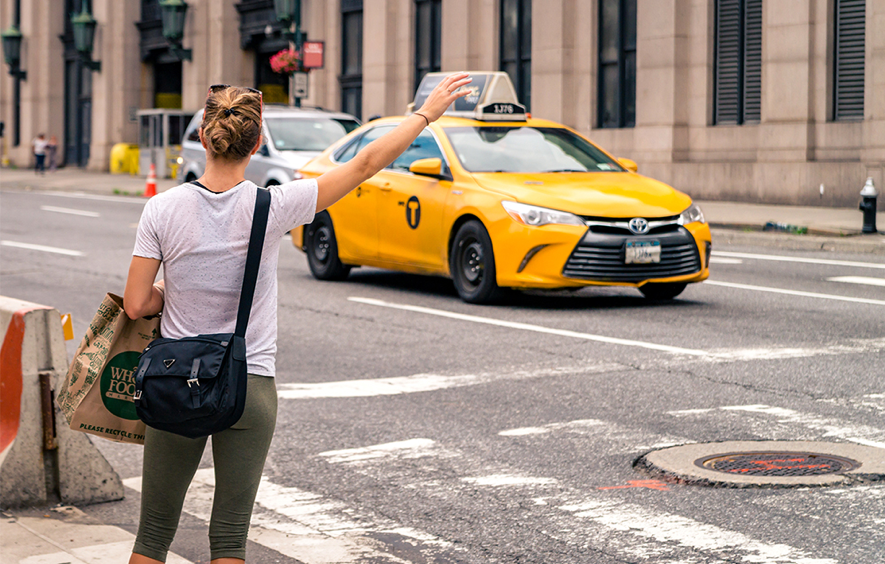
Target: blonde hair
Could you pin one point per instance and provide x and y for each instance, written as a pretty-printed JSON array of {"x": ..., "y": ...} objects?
[{"x": 232, "y": 123}]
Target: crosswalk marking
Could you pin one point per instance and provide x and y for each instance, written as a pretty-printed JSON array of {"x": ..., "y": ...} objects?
[
  {"x": 425, "y": 382},
  {"x": 867, "y": 280},
  {"x": 654, "y": 534},
  {"x": 830, "y": 427}
]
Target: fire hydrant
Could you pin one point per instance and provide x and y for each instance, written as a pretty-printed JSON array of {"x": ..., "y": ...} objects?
[{"x": 868, "y": 206}]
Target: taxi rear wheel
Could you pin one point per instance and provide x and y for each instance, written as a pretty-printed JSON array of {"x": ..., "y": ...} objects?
[
  {"x": 322, "y": 250},
  {"x": 665, "y": 291},
  {"x": 472, "y": 264}
]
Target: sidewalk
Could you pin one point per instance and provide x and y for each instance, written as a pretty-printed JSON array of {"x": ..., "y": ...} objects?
[{"x": 834, "y": 229}]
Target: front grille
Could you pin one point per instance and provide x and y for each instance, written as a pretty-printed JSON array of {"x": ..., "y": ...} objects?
[{"x": 601, "y": 257}]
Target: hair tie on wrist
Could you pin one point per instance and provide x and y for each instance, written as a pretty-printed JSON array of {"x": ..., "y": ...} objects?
[{"x": 425, "y": 117}]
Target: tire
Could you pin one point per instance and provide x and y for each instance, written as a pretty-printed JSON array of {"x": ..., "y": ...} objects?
[
  {"x": 322, "y": 250},
  {"x": 190, "y": 177},
  {"x": 472, "y": 264},
  {"x": 665, "y": 291}
]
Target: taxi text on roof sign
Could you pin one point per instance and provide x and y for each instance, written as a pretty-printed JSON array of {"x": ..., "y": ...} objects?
[{"x": 492, "y": 97}]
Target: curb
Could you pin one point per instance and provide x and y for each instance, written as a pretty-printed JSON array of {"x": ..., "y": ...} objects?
[{"x": 728, "y": 234}]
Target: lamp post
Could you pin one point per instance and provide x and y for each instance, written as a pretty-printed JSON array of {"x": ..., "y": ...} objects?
[
  {"x": 289, "y": 13},
  {"x": 12, "y": 52},
  {"x": 84, "y": 37},
  {"x": 173, "y": 14}
]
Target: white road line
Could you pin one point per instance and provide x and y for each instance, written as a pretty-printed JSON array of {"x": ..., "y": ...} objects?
[
  {"x": 84, "y": 196},
  {"x": 800, "y": 259},
  {"x": 535, "y": 328},
  {"x": 835, "y": 428},
  {"x": 42, "y": 248},
  {"x": 522, "y": 431},
  {"x": 658, "y": 532},
  {"x": 424, "y": 382},
  {"x": 794, "y": 293},
  {"x": 718, "y": 260},
  {"x": 858, "y": 280},
  {"x": 70, "y": 211}
]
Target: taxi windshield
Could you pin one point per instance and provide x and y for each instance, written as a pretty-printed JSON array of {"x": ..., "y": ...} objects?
[
  {"x": 307, "y": 134},
  {"x": 527, "y": 150}
]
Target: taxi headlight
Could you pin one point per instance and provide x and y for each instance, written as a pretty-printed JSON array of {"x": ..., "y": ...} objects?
[
  {"x": 692, "y": 215},
  {"x": 535, "y": 216}
]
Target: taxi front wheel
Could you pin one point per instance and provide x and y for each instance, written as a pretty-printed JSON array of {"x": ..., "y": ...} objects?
[
  {"x": 322, "y": 250},
  {"x": 664, "y": 291},
  {"x": 472, "y": 264}
]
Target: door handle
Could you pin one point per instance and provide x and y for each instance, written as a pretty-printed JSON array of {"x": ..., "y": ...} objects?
[{"x": 385, "y": 187}]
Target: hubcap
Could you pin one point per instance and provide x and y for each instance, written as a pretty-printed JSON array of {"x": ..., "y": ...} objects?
[
  {"x": 472, "y": 264},
  {"x": 321, "y": 244}
]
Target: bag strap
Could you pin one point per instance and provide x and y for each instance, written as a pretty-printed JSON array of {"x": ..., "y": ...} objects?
[{"x": 253, "y": 259}]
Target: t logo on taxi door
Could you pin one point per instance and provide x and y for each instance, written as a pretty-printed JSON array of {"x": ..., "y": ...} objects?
[{"x": 413, "y": 212}]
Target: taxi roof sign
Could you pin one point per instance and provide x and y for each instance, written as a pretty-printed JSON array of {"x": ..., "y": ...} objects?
[{"x": 492, "y": 97}]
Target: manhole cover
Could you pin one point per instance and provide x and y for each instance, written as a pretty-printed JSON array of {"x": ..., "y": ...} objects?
[
  {"x": 747, "y": 464},
  {"x": 777, "y": 464}
]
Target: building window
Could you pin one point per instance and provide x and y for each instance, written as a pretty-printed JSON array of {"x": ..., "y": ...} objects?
[
  {"x": 848, "y": 83},
  {"x": 617, "y": 63},
  {"x": 516, "y": 46},
  {"x": 428, "y": 31},
  {"x": 351, "y": 78},
  {"x": 738, "y": 62}
]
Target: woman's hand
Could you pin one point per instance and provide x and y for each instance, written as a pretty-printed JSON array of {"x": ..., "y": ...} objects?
[{"x": 444, "y": 95}]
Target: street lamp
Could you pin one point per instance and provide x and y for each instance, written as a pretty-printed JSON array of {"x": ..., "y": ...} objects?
[
  {"x": 84, "y": 37},
  {"x": 12, "y": 51},
  {"x": 173, "y": 12}
]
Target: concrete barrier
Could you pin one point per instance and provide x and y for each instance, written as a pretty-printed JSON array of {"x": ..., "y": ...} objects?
[{"x": 41, "y": 459}]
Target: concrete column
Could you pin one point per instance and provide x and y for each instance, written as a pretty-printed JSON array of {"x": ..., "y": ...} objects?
[
  {"x": 470, "y": 35},
  {"x": 116, "y": 87},
  {"x": 225, "y": 61},
  {"x": 42, "y": 94},
  {"x": 874, "y": 100},
  {"x": 387, "y": 53},
  {"x": 787, "y": 94},
  {"x": 553, "y": 60}
]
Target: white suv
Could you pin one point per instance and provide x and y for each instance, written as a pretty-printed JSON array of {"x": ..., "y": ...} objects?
[{"x": 294, "y": 136}]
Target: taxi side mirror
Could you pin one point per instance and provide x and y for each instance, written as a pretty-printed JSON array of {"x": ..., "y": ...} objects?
[
  {"x": 628, "y": 164},
  {"x": 427, "y": 167}
]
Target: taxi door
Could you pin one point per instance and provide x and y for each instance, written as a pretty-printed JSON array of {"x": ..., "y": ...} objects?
[
  {"x": 355, "y": 216},
  {"x": 411, "y": 209}
]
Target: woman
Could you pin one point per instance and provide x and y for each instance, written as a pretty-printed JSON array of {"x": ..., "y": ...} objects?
[{"x": 199, "y": 232}]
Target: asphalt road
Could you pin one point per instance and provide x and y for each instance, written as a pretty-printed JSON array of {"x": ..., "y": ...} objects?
[{"x": 416, "y": 428}]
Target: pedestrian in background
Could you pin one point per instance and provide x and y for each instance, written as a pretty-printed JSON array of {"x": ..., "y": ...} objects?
[
  {"x": 52, "y": 153},
  {"x": 39, "y": 144},
  {"x": 196, "y": 231}
]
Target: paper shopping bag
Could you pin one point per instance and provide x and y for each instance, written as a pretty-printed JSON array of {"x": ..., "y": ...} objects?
[{"x": 97, "y": 394}]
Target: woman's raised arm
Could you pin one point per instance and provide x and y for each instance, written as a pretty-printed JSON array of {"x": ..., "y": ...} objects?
[{"x": 336, "y": 183}]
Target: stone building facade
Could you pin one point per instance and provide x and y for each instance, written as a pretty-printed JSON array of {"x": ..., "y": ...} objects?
[{"x": 744, "y": 100}]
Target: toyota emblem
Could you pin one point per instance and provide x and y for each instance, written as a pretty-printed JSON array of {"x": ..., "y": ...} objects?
[{"x": 638, "y": 226}]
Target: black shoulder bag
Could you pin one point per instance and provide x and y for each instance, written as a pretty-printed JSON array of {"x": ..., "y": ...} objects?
[{"x": 196, "y": 386}]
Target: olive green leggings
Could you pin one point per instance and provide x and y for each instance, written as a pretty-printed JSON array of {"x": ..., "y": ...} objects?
[{"x": 170, "y": 462}]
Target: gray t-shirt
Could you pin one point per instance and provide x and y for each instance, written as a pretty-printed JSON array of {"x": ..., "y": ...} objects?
[{"x": 202, "y": 239}]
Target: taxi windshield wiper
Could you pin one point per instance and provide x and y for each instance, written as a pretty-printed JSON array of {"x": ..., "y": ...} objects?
[{"x": 564, "y": 170}]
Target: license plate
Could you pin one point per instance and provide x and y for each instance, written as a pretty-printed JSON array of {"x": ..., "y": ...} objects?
[{"x": 642, "y": 252}]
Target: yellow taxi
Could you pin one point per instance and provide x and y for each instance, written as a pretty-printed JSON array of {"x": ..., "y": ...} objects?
[{"x": 495, "y": 199}]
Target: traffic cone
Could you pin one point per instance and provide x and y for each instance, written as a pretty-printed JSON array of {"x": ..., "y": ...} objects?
[{"x": 150, "y": 187}]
